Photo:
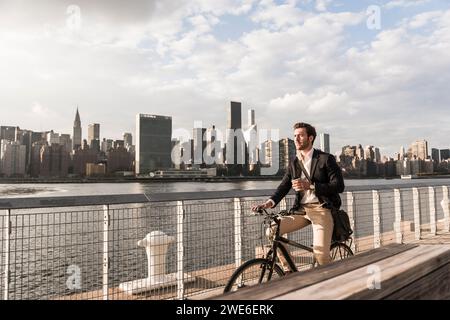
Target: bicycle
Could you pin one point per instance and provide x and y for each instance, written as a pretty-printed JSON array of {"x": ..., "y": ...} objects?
[{"x": 259, "y": 270}]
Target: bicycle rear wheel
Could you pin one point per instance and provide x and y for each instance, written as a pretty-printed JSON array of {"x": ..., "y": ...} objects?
[
  {"x": 339, "y": 251},
  {"x": 252, "y": 272}
]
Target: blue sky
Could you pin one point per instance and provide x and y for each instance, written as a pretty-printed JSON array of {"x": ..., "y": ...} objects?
[{"x": 307, "y": 60}]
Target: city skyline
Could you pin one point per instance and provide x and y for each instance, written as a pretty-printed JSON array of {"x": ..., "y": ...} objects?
[
  {"x": 45, "y": 154},
  {"x": 318, "y": 144},
  {"x": 321, "y": 60}
]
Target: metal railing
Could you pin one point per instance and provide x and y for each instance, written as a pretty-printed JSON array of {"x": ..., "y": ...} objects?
[{"x": 189, "y": 243}]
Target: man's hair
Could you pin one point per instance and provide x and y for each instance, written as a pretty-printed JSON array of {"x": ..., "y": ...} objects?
[{"x": 310, "y": 130}]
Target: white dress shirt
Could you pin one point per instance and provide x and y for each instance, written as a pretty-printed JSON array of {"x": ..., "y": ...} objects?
[{"x": 309, "y": 196}]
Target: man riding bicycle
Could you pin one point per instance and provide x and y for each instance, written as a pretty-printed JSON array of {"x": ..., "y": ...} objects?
[{"x": 317, "y": 180}]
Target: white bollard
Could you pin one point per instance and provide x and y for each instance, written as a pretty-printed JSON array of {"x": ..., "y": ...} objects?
[{"x": 156, "y": 244}]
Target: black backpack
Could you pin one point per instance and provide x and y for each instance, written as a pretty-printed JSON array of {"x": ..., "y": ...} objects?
[{"x": 342, "y": 229}]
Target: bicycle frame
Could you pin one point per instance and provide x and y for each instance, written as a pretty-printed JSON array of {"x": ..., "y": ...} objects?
[
  {"x": 268, "y": 262},
  {"x": 277, "y": 245}
]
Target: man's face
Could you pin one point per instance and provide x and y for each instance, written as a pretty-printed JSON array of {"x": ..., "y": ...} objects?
[{"x": 302, "y": 141}]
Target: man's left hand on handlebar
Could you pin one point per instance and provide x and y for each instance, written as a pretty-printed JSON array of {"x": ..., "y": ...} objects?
[{"x": 259, "y": 207}]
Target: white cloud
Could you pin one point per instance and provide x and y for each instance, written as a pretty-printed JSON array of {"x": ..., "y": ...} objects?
[
  {"x": 317, "y": 103},
  {"x": 404, "y": 3},
  {"x": 277, "y": 16},
  {"x": 290, "y": 102},
  {"x": 421, "y": 20},
  {"x": 39, "y": 110},
  {"x": 321, "y": 5},
  {"x": 330, "y": 102},
  {"x": 294, "y": 65}
]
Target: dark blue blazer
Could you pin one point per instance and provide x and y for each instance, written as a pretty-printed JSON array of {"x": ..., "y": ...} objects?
[{"x": 325, "y": 174}]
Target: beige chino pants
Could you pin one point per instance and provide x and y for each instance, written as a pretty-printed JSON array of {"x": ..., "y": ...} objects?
[{"x": 322, "y": 224}]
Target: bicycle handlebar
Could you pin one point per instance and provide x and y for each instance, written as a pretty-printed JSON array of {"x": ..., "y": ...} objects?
[{"x": 264, "y": 212}]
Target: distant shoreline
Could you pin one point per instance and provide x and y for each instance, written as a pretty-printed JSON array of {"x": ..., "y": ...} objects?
[
  {"x": 190, "y": 179},
  {"x": 140, "y": 180}
]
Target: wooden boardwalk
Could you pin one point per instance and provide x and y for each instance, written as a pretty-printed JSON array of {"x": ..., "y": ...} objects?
[
  {"x": 209, "y": 282},
  {"x": 439, "y": 238},
  {"x": 418, "y": 270}
]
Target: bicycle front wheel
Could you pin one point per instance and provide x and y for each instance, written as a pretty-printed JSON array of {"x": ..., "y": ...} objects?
[
  {"x": 339, "y": 251},
  {"x": 252, "y": 272}
]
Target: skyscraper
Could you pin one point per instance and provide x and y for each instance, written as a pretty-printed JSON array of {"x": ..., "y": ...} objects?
[
  {"x": 93, "y": 132},
  {"x": 24, "y": 137},
  {"x": 377, "y": 155},
  {"x": 65, "y": 140},
  {"x": 251, "y": 118},
  {"x": 359, "y": 152},
  {"x": 213, "y": 147},
  {"x": 8, "y": 133},
  {"x": 106, "y": 144},
  {"x": 81, "y": 157},
  {"x": 287, "y": 153},
  {"x": 235, "y": 142},
  {"x": 94, "y": 136},
  {"x": 35, "y": 162},
  {"x": 54, "y": 161},
  {"x": 153, "y": 143},
  {"x": 234, "y": 116},
  {"x": 12, "y": 158},
  {"x": 128, "y": 138},
  {"x": 445, "y": 154},
  {"x": 369, "y": 153},
  {"x": 77, "y": 132},
  {"x": 199, "y": 146},
  {"x": 53, "y": 138},
  {"x": 325, "y": 142},
  {"x": 435, "y": 155},
  {"x": 119, "y": 159},
  {"x": 402, "y": 154},
  {"x": 419, "y": 150},
  {"x": 251, "y": 137}
]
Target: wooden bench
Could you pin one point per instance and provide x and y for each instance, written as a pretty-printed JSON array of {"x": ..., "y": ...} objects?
[{"x": 396, "y": 271}]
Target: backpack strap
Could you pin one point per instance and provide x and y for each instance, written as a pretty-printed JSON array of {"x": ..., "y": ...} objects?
[
  {"x": 304, "y": 170},
  {"x": 308, "y": 177}
]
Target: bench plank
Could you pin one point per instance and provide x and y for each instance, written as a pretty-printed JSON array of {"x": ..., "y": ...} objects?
[
  {"x": 396, "y": 272},
  {"x": 435, "y": 285},
  {"x": 303, "y": 279}
]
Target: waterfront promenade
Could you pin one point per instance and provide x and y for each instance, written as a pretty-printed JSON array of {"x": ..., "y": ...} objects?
[{"x": 86, "y": 247}]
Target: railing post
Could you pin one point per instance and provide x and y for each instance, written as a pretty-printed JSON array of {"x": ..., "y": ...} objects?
[
  {"x": 7, "y": 234},
  {"x": 180, "y": 250},
  {"x": 237, "y": 232},
  {"x": 283, "y": 206},
  {"x": 432, "y": 200},
  {"x": 398, "y": 216},
  {"x": 416, "y": 206},
  {"x": 445, "y": 207},
  {"x": 351, "y": 215},
  {"x": 376, "y": 219},
  {"x": 106, "y": 223}
]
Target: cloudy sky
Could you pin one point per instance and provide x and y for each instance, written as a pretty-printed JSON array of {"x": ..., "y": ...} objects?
[{"x": 368, "y": 72}]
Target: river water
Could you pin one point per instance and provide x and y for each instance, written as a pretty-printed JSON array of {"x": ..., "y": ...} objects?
[
  {"x": 80, "y": 189},
  {"x": 49, "y": 247}
]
